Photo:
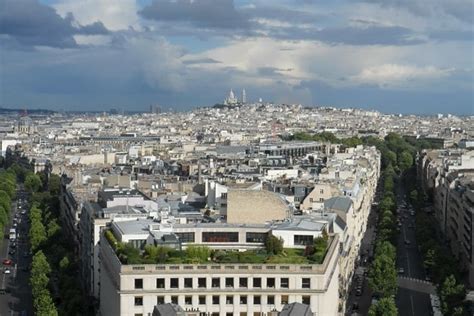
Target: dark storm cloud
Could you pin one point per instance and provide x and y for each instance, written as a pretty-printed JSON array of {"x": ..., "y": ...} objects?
[
  {"x": 283, "y": 14},
  {"x": 451, "y": 35},
  {"x": 371, "y": 35},
  {"x": 462, "y": 10},
  {"x": 203, "y": 13},
  {"x": 223, "y": 18},
  {"x": 272, "y": 71},
  {"x": 31, "y": 23},
  {"x": 201, "y": 61}
]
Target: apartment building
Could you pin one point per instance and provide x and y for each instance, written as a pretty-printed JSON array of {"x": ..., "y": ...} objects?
[
  {"x": 218, "y": 289},
  {"x": 447, "y": 176}
]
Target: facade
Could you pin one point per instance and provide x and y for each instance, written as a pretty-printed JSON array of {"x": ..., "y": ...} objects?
[
  {"x": 447, "y": 177},
  {"x": 218, "y": 289}
]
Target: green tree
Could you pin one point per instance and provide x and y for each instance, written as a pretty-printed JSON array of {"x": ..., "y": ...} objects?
[
  {"x": 32, "y": 182},
  {"x": 384, "y": 307},
  {"x": 273, "y": 245},
  {"x": 64, "y": 263},
  {"x": 37, "y": 232},
  {"x": 44, "y": 304},
  {"x": 391, "y": 158},
  {"x": 320, "y": 246},
  {"x": 53, "y": 228},
  {"x": 5, "y": 201},
  {"x": 54, "y": 184},
  {"x": 197, "y": 254},
  {"x": 405, "y": 161},
  {"x": 451, "y": 295},
  {"x": 383, "y": 274}
]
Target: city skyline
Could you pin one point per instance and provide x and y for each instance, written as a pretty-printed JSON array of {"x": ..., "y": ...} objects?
[{"x": 393, "y": 57}]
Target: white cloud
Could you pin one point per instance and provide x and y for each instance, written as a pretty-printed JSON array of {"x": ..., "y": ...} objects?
[
  {"x": 387, "y": 75},
  {"x": 115, "y": 14}
]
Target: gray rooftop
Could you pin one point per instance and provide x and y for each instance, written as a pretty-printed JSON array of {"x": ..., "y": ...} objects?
[
  {"x": 339, "y": 203},
  {"x": 296, "y": 309},
  {"x": 301, "y": 224}
]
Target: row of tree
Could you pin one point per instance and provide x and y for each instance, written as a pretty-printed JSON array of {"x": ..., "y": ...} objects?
[
  {"x": 8, "y": 182},
  {"x": 438, "y": 260},
  {"x": 383, "y": 273},
  {"x": 39, "y": 279},
  {"x": 48, "y": 240},
  {"x": 397, "y": 154}
]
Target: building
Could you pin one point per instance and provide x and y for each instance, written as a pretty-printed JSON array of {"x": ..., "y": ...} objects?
[
  {"x": 217, "y": 288},
  {"x": 447, "y": 178},
  {"x": 256, "y": 207}
]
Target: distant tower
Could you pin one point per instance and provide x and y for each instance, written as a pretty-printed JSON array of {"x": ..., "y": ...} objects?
[{"x": 244, "y": 96}]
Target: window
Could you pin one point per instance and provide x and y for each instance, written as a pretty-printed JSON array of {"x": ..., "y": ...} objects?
[
  {"x": 271, "y": 300},
  {"x": 321, "y": 191},
  {"x": 220, "y": 237},
  {"x": 306, "y": 300},
  {"x": 243, "y": 299},
  {"x": 321, "y": 199},
  {"x": 160, "y": 283},
  {"x": 256, "y": 237},
  {"x": 202, "y": 283},
  {"x": 270, "y": 282},
  {"x": 303, "y": 240},
  {"x": 216, "y": 282},
  {"x": 139, "y": 283},
  {"x": 185, "y": 237},
  {"x": 257, "y": 282},
  {"x": 311, "y": 200},
  {"x": 160, "y": 300},
  {"x": 243, "y": 282},
  {"x": 284, "y": 283},
  {"x": 257, "y": 299},
  {"x": 174, "y": 299},
  {"x": 139, "y": 314},
  {"x": 306, "y": 283},
  {"x": 229, "y": 282},
  {"x": 215, "y": 299},
  {"x": 188, "y": 283},
  {"x": 188, "y": 300},
  {"x": 202, "y": 300},
  {"x": 138, "y": 300},
  {"x": 284, "y": 299},
  {"x": 229, "y": 299},
  {"x": 174, "y": 283}
]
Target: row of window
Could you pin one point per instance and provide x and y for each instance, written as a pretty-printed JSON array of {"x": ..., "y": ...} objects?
[
  {"x": 228, "y": 282},
  {"x": 189, "y": 237},
  {"x": 218, "y": 314},
  {"x": 229, "y": 300}
]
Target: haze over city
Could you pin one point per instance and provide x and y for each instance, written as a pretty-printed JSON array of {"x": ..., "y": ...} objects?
[{"x": 391, "y": 56}]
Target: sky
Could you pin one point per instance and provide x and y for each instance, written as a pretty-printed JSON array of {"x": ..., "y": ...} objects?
[{"x": 395, "y": 56}]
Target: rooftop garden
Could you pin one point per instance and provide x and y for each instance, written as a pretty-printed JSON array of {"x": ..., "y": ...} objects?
[{"x": 273, "y": 253}]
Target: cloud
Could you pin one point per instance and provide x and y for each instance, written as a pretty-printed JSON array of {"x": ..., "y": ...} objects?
[
  {"x": 462, "y": 10},
  {"x": 351, "y": 35},
  {"x": 203, "y": 13},
  {"x": 389, "y": 75},
  {"x": 115, "y": 15},
  {"x": 31, "y": 23},
  {"x": 200, "y": 61}
]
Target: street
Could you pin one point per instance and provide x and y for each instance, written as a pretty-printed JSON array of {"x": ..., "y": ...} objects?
[
  {"x": 15, "y": 297},
  {"x": 409, "y": 302},
  {"x": 362, "y": 302}
]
